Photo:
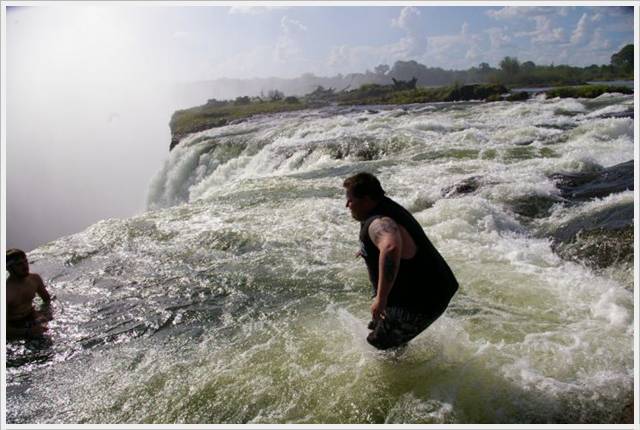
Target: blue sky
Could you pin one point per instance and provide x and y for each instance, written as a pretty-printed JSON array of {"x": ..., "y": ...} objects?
[{"x": 185, "y": 43}]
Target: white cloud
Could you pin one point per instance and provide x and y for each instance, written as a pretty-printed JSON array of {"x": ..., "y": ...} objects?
[
  {"x": 455, "y": 50},
  {"x": 408, "y": 19},
  {"x": 269, "y": 57},
  {"x": 544, "y": 33},
  {"x": 288, "y": 46},
  {"x": 465, "y": 29},
  {"x": 499, "y": 38},
  {"x": 580, "y": 34},
  {"x": 534, "y": 34},
  {"x": 519, "y": 12},
  {"x": 472, "y": 54},
  {"x": 291, "y": 25},
  {"x": 599, "y": 42},
  {"x": 614, "y": 11},
  {"x": 347, "y": 59},
  {"x": 414, "y": 42}
]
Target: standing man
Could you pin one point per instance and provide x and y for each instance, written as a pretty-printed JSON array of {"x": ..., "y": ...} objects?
[
  {"x": 411, "y": 281},
  {"x": 21, "y": 317}
]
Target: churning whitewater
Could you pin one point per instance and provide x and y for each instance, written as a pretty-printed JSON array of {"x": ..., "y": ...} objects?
[{"x": 236, "y": 298}]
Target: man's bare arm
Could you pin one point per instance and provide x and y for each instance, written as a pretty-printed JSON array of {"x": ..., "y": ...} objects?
[
  {"x": 385, "y": 234},
  {"x": 41, "y": 289}
]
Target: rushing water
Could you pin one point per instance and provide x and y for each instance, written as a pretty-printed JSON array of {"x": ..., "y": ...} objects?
[{"x": 237, "y": 297}]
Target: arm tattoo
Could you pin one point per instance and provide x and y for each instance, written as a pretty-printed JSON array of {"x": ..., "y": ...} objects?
[
  {"x": 389, "y": 268},
  {"x": 384, "y": 226}
]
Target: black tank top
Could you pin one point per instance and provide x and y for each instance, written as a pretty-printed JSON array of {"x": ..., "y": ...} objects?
[{"x": 424, "y": 283}]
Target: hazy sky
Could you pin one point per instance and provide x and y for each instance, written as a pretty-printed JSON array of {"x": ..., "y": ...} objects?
[
  {"x": 203, "y": 41},
  {"x": 88, "y": 105}
]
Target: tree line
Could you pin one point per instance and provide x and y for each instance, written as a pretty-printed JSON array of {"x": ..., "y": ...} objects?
[{"x": 511, "y": 71}]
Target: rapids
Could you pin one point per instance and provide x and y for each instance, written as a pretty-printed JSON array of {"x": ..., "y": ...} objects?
[{"x": 236, "y": 298}]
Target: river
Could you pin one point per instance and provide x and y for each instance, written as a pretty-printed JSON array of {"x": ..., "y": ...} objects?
[{"x": 236, "y": 297}]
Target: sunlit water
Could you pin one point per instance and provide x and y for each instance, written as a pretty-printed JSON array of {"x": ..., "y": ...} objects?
[{"x": 237, "y": 297}]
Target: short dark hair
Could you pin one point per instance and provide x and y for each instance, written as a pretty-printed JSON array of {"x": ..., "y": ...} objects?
[
  {"x": 14, "y": 255},
  {"x": 364, "y": 184}
]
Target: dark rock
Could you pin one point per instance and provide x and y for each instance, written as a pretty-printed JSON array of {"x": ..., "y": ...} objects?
[
  {"x": 600, "y": 240},
  {"x": 534, "y": 206},
  {"x": 599, "y": 248},
  {"x": 518, "y": 96},
  {"x": 613, "y": 218},
  {"x": 603, "y": 238},
  {"x": 625, "y": 114},
  {"x": 476, "y": 92},
  {"x": 563, "y": 127},
  {"x": 465, "y": 186},
  {"x": 524, "y": 142},
  {"x": 586, "y": 186},
  {"x": 627, "y": 413},
  {"x": 177, "y": 137}
]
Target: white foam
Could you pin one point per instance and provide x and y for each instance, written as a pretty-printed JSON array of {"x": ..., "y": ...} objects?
[{"x": 606, "y": 110}]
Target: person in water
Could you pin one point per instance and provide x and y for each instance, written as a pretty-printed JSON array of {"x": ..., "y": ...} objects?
[
  {"x": 23, "y": 321},
  {"x": 412, "y": 283}
]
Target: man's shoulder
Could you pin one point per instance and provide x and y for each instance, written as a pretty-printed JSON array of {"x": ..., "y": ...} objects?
[
  {"x": 382, "y": 226},
  {"x": 34, "y": 279}
]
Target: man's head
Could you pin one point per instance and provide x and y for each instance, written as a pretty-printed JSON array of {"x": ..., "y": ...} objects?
[
  {"x": 363, "y": 192},
  {"x": 17, "y": 263}
]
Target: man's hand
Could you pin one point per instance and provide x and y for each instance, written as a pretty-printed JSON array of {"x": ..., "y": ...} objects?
[{"x": 377, "y": 308}]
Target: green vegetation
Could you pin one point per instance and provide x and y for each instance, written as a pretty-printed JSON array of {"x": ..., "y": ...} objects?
[
  {"x": 405, "y": 82},
  {"x": 586, "y": 91},
  {"x": 513, "y": 73},
  {"x": 623, "y": 61},
  {"x": 390, "y": 94},
  {"x": 219, "y": 113}
]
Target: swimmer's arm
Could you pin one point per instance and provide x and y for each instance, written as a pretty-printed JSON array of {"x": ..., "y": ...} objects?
[
  {"x": 385, "y": 234},
  {"x": 41, "y": 289}
]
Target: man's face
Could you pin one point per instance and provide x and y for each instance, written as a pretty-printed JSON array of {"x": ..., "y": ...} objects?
[
  {"x": 20, "y": 267},
  {"x": 359, "y": 206}
]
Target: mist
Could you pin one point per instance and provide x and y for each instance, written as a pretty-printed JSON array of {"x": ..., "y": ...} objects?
[
  {"x": 87, "y": 120},
  {"x": 90, "y": 93}
]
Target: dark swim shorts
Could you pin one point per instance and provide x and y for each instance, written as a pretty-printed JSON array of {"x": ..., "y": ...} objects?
[
  {"x": 398, "y": 327},
  {"x": 36, "y": 318}
]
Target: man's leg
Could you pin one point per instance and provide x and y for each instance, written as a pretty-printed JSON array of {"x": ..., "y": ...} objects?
[{"x": 398, "y": 327}]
